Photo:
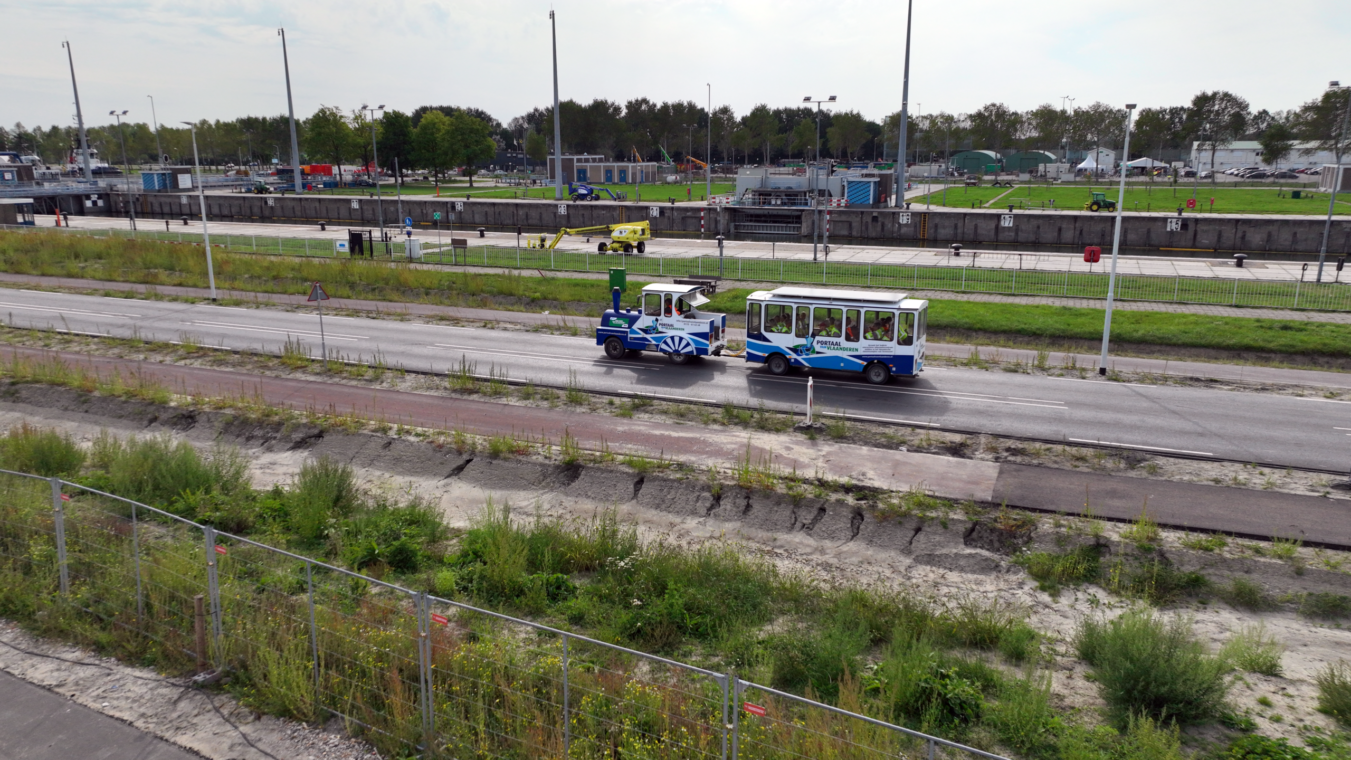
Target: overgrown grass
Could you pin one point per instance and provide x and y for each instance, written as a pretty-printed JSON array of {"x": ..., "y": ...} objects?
[
  {"x": 40, "y": 451},
  {"x": 1147, "y": 665},
  {"x": 1334, "y": 691},
  {"x": 1254, "y": 650}
]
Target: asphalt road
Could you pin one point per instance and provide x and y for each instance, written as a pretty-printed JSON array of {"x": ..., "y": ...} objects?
[{"x": 1275, "y": 430}]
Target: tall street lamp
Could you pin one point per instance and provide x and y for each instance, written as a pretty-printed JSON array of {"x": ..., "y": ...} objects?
[
  {"x": 201, "y": 198},
  {"x": 375, "y": 161},
  {"x": 708, "y": 152},
  {"x": 79, "y": 115},
  {"x": 122, "y": 136},
  {"x": 299, "y": 187},
  {"x": 558, "y": 117},
  {"x": 899, "y": 200},
  {"x": 1336, "y": 178},
  {"x": 1116, "y": 242},
  {"x": 159, "y": 151},
  {"x": 818, "y": 103}
]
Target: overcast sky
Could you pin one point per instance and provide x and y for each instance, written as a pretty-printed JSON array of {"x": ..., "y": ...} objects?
[{"x": 220, "y": 59}]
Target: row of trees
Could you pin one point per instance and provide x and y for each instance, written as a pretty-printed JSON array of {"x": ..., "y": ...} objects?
[
  {"x": 440, "y": 138},
  {"x": 436, "y": 139}
]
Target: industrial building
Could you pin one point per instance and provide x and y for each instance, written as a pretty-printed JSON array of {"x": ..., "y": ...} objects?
[
  {"x": 977, "y": 161},
  {"x": 1244, "y": 153},
  {"x": 600, "y": 170},
  {"x": 1028, "y": 161}
]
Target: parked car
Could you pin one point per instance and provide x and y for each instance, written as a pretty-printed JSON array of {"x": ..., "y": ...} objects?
[
  {"x": 1284, "y": 175},
  {"x": 1207, "y": 174},
  {"x": 106, "y": 171},
  {"x": 1313, "y": 172},
  {"x": 1187, "y": 173}
]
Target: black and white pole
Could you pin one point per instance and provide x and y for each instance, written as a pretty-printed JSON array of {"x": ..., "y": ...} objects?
[
  {"x": 299, "y": 186},
  {"x": 201, "y": 199},
  {"x": 1116, "y": 242},
  {"x": 810, "y": 390}
]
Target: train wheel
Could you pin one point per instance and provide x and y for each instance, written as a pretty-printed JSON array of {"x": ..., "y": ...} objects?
[
  {"x": 877, "y": 373},
  {"x": 614, "y": 348},
  {"x": 679, "y": 358},
  {"x": 778, "y": 364}
]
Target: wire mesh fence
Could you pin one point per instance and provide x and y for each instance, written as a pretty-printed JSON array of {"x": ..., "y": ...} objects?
[
  {"x": 412, "y": 673},
  {"x": 998, "y": 274}
]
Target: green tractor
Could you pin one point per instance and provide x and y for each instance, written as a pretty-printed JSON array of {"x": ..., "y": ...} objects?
[{"x": 1100, "y": 202}]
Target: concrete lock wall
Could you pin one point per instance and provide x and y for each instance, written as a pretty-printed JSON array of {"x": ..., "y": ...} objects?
[{"x": 1068, "y": 229}]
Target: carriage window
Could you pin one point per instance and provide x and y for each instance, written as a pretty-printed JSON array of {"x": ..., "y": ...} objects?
[
  {"x": 923, "y": 323},
  {"x": 828, "y": 322},
  {"x": 666, "y": 311},
  {"x": 803, "y": 325},
  {"x": 683, "y": 309},
  {"x": 652, "y": 305},
  {"x": 851, "y": 329},
  {"x": 878, "y": 325},
  {"x": 906, "y": 335},
  {"x": 778, "y": 318},
  {"x": 752, "y": 318}
]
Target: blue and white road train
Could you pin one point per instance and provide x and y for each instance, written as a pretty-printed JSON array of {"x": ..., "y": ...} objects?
[
  {"x": 667, "y": 320},
  {"x": 877, "y": 333}
]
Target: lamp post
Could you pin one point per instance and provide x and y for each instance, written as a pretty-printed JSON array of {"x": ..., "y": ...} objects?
[
  {"x": 1116, "y": 243},
  {"x": 159, "y": 151},
  {"x": 558, "y": 117},
  {"x": 899, "y": 200},
  {"x": 818, "y": 103},
  {"x": 295, "y": 146},
  {"x": 1336, "y": 178},
  {"x": 201, "y": 198},
  {"x": 708, "y": 151},
  {"x": 79, "y": 115},
  {"x": 375, "y": 165},
  {"x": 122, "y": 137}
]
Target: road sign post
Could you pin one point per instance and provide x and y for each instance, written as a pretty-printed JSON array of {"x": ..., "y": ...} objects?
[{"x": 318, "y": 296}]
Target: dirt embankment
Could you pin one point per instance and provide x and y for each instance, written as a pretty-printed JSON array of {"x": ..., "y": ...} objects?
[{"x": 833, "y": 537}]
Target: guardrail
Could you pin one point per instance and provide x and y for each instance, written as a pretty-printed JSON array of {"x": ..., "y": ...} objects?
[
  {"x": 1008, "y": 277},
  {"x": 418, "y": 674}
]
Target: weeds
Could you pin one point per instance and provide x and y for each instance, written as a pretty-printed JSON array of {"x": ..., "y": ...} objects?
[
  {"x": 41, "y": 451},
  {"x": 1054, "y": 571},
  {"x": 1325, "y": 605},
  {"x": 1334, "y": 691},
  {"x": 1253, "y": 650},
  {"x": 294, "y": 354},
  {"x": 1205, "y": 543},
  {"x": 1148, "y": 666}
]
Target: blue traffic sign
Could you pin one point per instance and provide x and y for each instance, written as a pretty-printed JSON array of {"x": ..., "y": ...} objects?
[{"x": 408, "y": 221}]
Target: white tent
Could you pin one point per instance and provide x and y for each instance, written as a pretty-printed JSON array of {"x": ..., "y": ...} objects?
[
  {"x": 1145, "y": 163},
  {"x": 1088, "y": 165}
]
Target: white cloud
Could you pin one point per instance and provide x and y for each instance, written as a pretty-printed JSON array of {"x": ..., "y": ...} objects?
[{"x": 220, "y": 59}]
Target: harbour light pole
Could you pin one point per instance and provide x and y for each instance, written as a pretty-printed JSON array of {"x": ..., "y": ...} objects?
[
  {"x": 1116, "y": 242},
  {"x": 201, "y": 198},
  {"x": 295, "y": 146}
]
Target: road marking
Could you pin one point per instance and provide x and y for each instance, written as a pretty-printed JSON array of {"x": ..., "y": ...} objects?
[
  {"x": 279, "y": 331},
  {"x": 231, "y": 308},
  {"x": 1326, "y": 400},
  {"x": 1092, "y": 380},
  {"x": 1341, "y": 428},
  {"x": 949, "y": 395},
  {"x": 565, "y": 360},
  {"x": 1138, "y": 446},
  {"x": 81, "y": 312}
]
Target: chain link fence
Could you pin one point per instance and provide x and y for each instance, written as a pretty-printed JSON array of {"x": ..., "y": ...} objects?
[
  {"x": 1006, "y": 277},
  {"x": 413, "y": 673}
]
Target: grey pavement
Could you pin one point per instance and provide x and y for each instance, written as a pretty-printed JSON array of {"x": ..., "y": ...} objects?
[
  {"x": 37, "y": 724},
  {"x": 1162, "y": 367},
  {"x": 975, "y": 258},
  {"x": 1205, "y": 423}
]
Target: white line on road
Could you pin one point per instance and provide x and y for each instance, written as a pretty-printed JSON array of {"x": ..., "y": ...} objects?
[
  {"x": 81, "y": 312},
  {"x": 1341, "y": 428},
  {"x": 329, "y": 335},
  {"x": 948, "y": 395},
  {"x": 1138, "y": 446},
  {"x": 565, "y": 360}
]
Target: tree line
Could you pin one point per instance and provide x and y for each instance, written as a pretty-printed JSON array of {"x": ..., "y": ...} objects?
[{"x": 439, "y": 139}]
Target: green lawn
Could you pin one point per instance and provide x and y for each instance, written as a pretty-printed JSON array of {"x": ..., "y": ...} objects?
[
  {"x": 154, "y": 263},
  {"x": 1160, "y": 198},
  {"x": 460, "y": 189}
]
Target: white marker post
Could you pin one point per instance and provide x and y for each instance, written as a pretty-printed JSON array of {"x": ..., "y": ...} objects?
[
  {"x": 809, "y": 401},
  {"x": 318, "y": 296}
]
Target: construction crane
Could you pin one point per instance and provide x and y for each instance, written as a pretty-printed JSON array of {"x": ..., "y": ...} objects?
[
  {"x": 624, "y": 237},
  {"x": 692, "y": 159}
]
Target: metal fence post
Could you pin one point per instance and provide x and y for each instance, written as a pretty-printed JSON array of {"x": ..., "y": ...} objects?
[
  {"x": 1234, "y": 301},
  {"x": 136, "y": 555},
  {"x": 724, "y": 680},
  {"x": 307, "y": 246},
  {"x": 1297, "y": 284},
  {"x": 963, "y": 279},
  {"x": 253, "y": 244},
  {"x": 280, "y": 250},
  {"x": 213, "y": 587},
  {"x": 1067, "y": 282},
  {"x": 1014, "y": 291},
  {"x": 567, "y": 710},
  {"x": 1177, "y": 282},
  {"x": 736, "y": 715},
  {"x": 314, "y": 629},
  {"x": 59, "y": 521},
  {"x": 424, "y": 652}
]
